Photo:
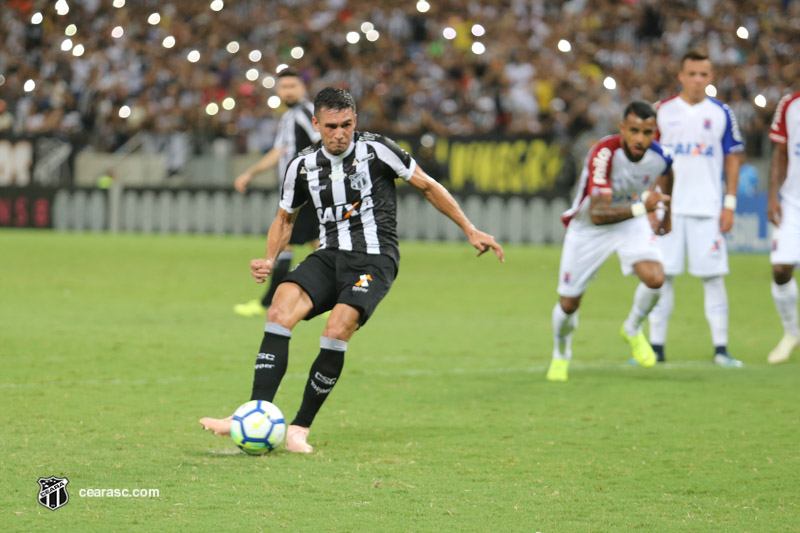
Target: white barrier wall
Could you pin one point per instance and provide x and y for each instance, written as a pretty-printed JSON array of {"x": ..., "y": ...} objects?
[{"x": 224, "y": 212}]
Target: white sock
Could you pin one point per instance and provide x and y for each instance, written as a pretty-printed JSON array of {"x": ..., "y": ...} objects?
[
  {"x": 785, "y": 297},
  {"x": 716, "y": 304},
  {"x": 659, "y": 316},
  {"x": 563, "y": 326},
  {"x": 644, "y": 299}
]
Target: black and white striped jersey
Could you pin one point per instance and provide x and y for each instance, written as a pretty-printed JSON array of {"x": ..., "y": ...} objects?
[
  {"x": 353, "y": 193},
  {"x": 295, "y": 133}
]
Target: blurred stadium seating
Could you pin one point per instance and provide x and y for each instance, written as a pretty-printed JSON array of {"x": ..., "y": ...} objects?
[
  {"x": 190, "y": 81},
  {"x": 411, "y": 79}
]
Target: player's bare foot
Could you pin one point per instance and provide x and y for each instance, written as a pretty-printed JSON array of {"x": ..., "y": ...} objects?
[
  {"x": 219, "y": 426},
  {"x": 296, "y": 440}
]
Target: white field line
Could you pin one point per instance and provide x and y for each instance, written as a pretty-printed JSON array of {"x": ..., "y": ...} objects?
[{"x": 410, "y": 372}]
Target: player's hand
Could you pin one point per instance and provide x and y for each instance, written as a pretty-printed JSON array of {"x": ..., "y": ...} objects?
[
  {"x": 665, "y": 225},
  {"x": 774, "y": 212},
  {"x": 652, "y": 218},
  {"x": 654, "y": 199},
  {"x": 660, "y": 226},
  {"x": 726, "y": 220},
  {"x": 261, "y": 269},
  {"x": 242, "y": 181},
  {"x": 484, "y": 242}
]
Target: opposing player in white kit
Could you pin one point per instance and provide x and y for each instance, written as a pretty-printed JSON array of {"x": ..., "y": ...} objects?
[
  {"x": 784, "y": 177},
  {"x": 615, "y": 193},
  {"x": 702, "y": 136}
]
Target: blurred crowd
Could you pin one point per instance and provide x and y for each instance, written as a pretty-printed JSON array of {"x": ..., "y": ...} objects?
[{"x": 448, "y": 67}]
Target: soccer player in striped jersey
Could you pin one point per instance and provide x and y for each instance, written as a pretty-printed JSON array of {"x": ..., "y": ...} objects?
[
  {"x": 349, "y": 182},
  {"x": 784, "y": 212},
  {"x": 295, "y": 133},
  {"x": 702, "y": 135},
  {"x": 615, "y": 193}
]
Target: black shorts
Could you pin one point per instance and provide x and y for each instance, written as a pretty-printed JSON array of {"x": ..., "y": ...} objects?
[
  {"x": 306, "y": 226},
  {"x": 357, "y": 279}
]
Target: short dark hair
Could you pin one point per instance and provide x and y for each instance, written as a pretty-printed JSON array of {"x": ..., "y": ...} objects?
[
  {"x": 289, "y": 73},
  {"x": 640, "y": 108},
  {"x": 694, "y": 55},
  {"x": 335, "y": 99}
]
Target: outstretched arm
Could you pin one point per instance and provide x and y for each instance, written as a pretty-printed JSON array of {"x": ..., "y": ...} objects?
[
  {"x": 442, "y": 200},
  {"x": 269, "y": 160},
  {"x": 777, "y": 175},
  {"x": 278, "y": 237}
]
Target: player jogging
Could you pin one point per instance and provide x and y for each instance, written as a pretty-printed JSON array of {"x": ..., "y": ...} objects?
[
  {"x": 703, "y": 138},
  {"x": 349, "y": 182},
  {"x": 616, "y": 192},
  {"x": 784, "y": 177},
  {"x": 295, "y": 133}
]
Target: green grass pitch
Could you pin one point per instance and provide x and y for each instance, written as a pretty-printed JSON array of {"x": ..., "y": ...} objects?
[{"x": 113, "y": 346}]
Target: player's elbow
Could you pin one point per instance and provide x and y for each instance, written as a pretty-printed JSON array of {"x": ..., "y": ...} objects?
[{"x": 596, "y": 218}]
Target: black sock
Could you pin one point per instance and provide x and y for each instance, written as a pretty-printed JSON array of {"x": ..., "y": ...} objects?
[
  {"x": 323, "y": 376},
  {"x": 721, "y": 350},
  {"x": 659, "y": 350},
  {"x": 279, "y": 272},
  {"x": 271, "y": 362}
]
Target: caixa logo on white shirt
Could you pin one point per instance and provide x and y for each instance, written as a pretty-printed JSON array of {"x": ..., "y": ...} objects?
[{"x": 691, "y": 148}]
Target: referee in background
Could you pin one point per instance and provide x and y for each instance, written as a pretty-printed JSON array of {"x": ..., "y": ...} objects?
[{"x": 295, "y": 133}]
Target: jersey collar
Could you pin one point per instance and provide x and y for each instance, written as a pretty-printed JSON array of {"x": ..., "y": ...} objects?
[{"x": 692, "y": 106}]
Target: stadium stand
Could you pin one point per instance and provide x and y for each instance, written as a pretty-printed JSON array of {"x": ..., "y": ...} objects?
[{"x": 409, "y": 80}]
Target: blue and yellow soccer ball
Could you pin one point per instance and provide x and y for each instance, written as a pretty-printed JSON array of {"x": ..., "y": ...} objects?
[{"x": 258, "y": 427}]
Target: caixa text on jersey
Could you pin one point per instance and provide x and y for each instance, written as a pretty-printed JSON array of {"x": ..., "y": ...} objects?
[{"x": 341, "y": 212}]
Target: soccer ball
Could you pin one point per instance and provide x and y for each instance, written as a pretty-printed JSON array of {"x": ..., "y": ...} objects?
[{"x": 258, "y": 427}]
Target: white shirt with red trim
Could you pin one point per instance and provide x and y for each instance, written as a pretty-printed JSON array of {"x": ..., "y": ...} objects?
[
  {"x": 785, "y": 130},
  {"x": 698, "y": 137},
  {"x": 607, "y": 171}
]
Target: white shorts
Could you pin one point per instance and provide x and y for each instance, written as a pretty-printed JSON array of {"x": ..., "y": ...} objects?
[
  {"x": 586, "y": 248},
  {"x": 708, "y": 250},
  {"x": 786, "y": 237}
]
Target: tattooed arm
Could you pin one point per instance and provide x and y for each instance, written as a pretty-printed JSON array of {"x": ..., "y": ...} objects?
[{"x": 602, "y": 212}]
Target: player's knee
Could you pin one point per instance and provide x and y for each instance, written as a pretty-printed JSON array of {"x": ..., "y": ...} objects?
[
  {"x": 654, "y": 280},
  {"x": 782, "y": 274},
  {"x": 290, "y": 304},
  {"x": 281, "y": 311},
  {"x": 278, "y": 313},
  {"x": 569, "y": 305}
]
